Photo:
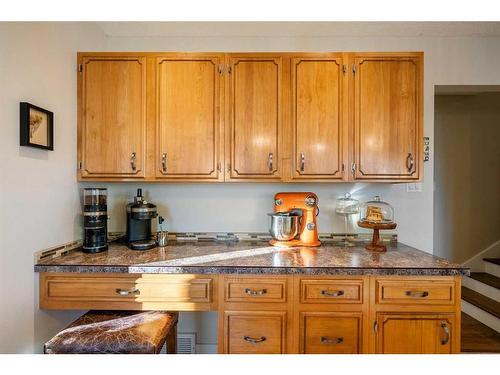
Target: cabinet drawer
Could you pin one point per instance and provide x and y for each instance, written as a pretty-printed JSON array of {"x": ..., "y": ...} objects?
[
  {"x": 248, "y": 332},
  {"x": 331, "y": 291},
  {"x": 255, "y": 290},
  {"x": 415, "y": 292},
  {"x": 326, "y": 333},
  {"x": 182, "y": 292}
]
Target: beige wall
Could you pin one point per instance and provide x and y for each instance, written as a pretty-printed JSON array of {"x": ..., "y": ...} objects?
[
  {"x": 39, "y": 200},
  {"x": 466, "y": 174}
]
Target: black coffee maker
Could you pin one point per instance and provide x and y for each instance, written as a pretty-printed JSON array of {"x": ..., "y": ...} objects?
[{"x": 139, "y": 216}]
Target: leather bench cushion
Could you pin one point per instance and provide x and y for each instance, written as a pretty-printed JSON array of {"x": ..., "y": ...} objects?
[{"x": 106, "y": 332}]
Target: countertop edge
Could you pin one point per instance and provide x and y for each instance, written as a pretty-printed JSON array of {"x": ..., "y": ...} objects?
[{"x": 211, "y": 270}]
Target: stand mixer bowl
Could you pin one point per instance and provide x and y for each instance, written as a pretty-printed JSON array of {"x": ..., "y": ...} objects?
[{"x": 284, "y": 225}]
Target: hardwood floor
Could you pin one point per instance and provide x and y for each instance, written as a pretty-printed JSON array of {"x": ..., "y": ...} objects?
[{"x": 478, "y": 338}]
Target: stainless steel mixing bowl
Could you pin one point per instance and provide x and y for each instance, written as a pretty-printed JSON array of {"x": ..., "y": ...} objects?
[{"x": 284, "y": 225}]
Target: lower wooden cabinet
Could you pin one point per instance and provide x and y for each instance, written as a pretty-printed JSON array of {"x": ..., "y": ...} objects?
[
  {"x": 330, "y": 333},
  {"x": 266, "y": 314},
  {"x": 414, "y": 333}
]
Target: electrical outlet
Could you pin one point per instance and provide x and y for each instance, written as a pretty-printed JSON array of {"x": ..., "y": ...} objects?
[{"x": 414, "y": 187}]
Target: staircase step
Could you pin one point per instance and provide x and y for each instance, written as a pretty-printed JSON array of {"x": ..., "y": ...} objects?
[
  {"x": 492, "y": 260},
  {"x": 486, "y": 278},
  {"x": 484, "y": 303},
  {"x": 477, "y": 337}
]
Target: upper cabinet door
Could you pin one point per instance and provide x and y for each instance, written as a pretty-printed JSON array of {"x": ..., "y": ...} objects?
[
  {"x": 317, "y": 117},
  {"x": 189, "y": 95},
  {"x": 387, "y": 116},
  {"x": 112, "y": 130},
  {"x": 254, "y": 117}
]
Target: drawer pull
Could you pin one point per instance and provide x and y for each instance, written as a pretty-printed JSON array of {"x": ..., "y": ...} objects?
[
  {"x": 125, "y": 292},
  {"x": 334, "y": 293},
  {"x": 252, "y": 292},
  {"x": 446, "y": 330},
  {"x": 411, "y": 293},
  {"x": 254, "y": 341},
  {"x": 337, "y": 340}
]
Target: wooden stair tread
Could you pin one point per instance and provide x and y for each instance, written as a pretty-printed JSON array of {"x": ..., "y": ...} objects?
[
  {"x": 492, "y": 260},
  {"x": 481, "y": 301},
  {"x": 477, "y": 337},
  {"x": 486, "y": 278}
]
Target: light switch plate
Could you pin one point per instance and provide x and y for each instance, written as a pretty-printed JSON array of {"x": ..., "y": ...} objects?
[{"x": 414, "y": 187}]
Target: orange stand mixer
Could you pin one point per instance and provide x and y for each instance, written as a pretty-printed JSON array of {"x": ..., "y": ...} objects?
[{"x": 287, "y": 224}]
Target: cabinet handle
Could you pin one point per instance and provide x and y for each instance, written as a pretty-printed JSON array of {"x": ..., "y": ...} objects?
[
  {"x": 251, "y": 292},
  {"x": 254, "y": 341},
  {"x": 446, "y": 330},
  {"x": 353, "y": 168},
  {"x": 417, "y": 294},
  {"x": 326, "y": 340},
  {"x": 270, "y": 161},
  {"x": 164, "y": 162},
  {"x": 410, "y": 161},
  {"x": 302, "y": 162},
  {"x": 132, "y": 161},
  {"x": 125, "y": 292},
  {"x": 335, "y": 293}
]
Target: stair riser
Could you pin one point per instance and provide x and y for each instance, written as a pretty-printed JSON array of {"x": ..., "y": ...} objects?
[
  {"x": 482, "y": 288},
  {"x": 492, "y": 268},
  {"x": 481, "y": 315}
]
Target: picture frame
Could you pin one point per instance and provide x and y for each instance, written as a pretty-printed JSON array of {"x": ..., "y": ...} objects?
[{"x": 36, "y": 127}]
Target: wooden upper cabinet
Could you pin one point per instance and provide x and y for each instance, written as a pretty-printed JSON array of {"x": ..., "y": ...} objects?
[
  {"x": 415, "y": 333},
  {"x": 112, "y": 116},
  {"x": 189, "y": 124},
  {"x": 387, "y": 113},
  {"x": 253, "y": 150},
  {"x": 317, "y": 87}
]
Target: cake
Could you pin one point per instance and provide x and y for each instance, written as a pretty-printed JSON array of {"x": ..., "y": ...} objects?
[{"x": 374, "y": 214}]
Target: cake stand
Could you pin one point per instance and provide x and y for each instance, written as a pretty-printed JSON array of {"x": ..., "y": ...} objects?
[{"x": 376, "y": 244}]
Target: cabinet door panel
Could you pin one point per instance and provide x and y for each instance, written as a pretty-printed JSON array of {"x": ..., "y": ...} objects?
[
  {"x": 317, "y": 91},
  {"x": 387, "y": 101},
  {"x": 414, "y": 333},
  {"x": 255, "y": 117},
  {"x": 188, "y": 118},
  {"x": 113, "y": 118}
]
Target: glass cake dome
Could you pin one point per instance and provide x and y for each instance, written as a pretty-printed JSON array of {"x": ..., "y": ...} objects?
[{"x": 377, "y": 212}]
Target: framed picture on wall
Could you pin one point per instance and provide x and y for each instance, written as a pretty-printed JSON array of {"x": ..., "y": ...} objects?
[{"x": 37, "y": 127}]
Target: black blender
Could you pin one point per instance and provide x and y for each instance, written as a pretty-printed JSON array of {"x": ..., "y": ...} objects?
[
  {"x": 95, "y": 220},
  {"x": 139, "y": 216}
]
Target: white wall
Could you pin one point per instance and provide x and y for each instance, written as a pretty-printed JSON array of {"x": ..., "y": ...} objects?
[
  {"x": 467, "y": 175},
  {"x": 39, "y": 202}
]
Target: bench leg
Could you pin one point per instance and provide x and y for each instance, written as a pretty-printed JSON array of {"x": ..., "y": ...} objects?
[{"x": 172, "y": 341}]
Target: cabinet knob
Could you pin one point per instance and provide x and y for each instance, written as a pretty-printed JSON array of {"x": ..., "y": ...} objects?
[
  {"x": 416, "y": 294},
  {"x": 336, "y": 340},
  {"x": 164, "y": 162},
  {"x": 125, "y": 292},
  {"x": 446, "y": 331},
  {"x": 252, "y": 292},
  {"x": 334, "y": 293},
  {"x": 410, "y": 161},
  {"x": 253, "y": 340},
  {"x": 270, "y": 161},
  {"x": 302, "y": 162},
  {"x": 132, "y": 161}
]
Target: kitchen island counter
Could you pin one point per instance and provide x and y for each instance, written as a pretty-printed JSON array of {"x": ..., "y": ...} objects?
[{"x": 245, "y": 257}]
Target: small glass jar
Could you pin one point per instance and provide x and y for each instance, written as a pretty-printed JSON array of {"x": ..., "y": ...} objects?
[
  {"x": 347, "y": 205},
  {"x": 377, "y": 212}
]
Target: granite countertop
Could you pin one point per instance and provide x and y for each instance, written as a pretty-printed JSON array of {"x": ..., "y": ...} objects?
[{"x": 245, "y": 257}]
